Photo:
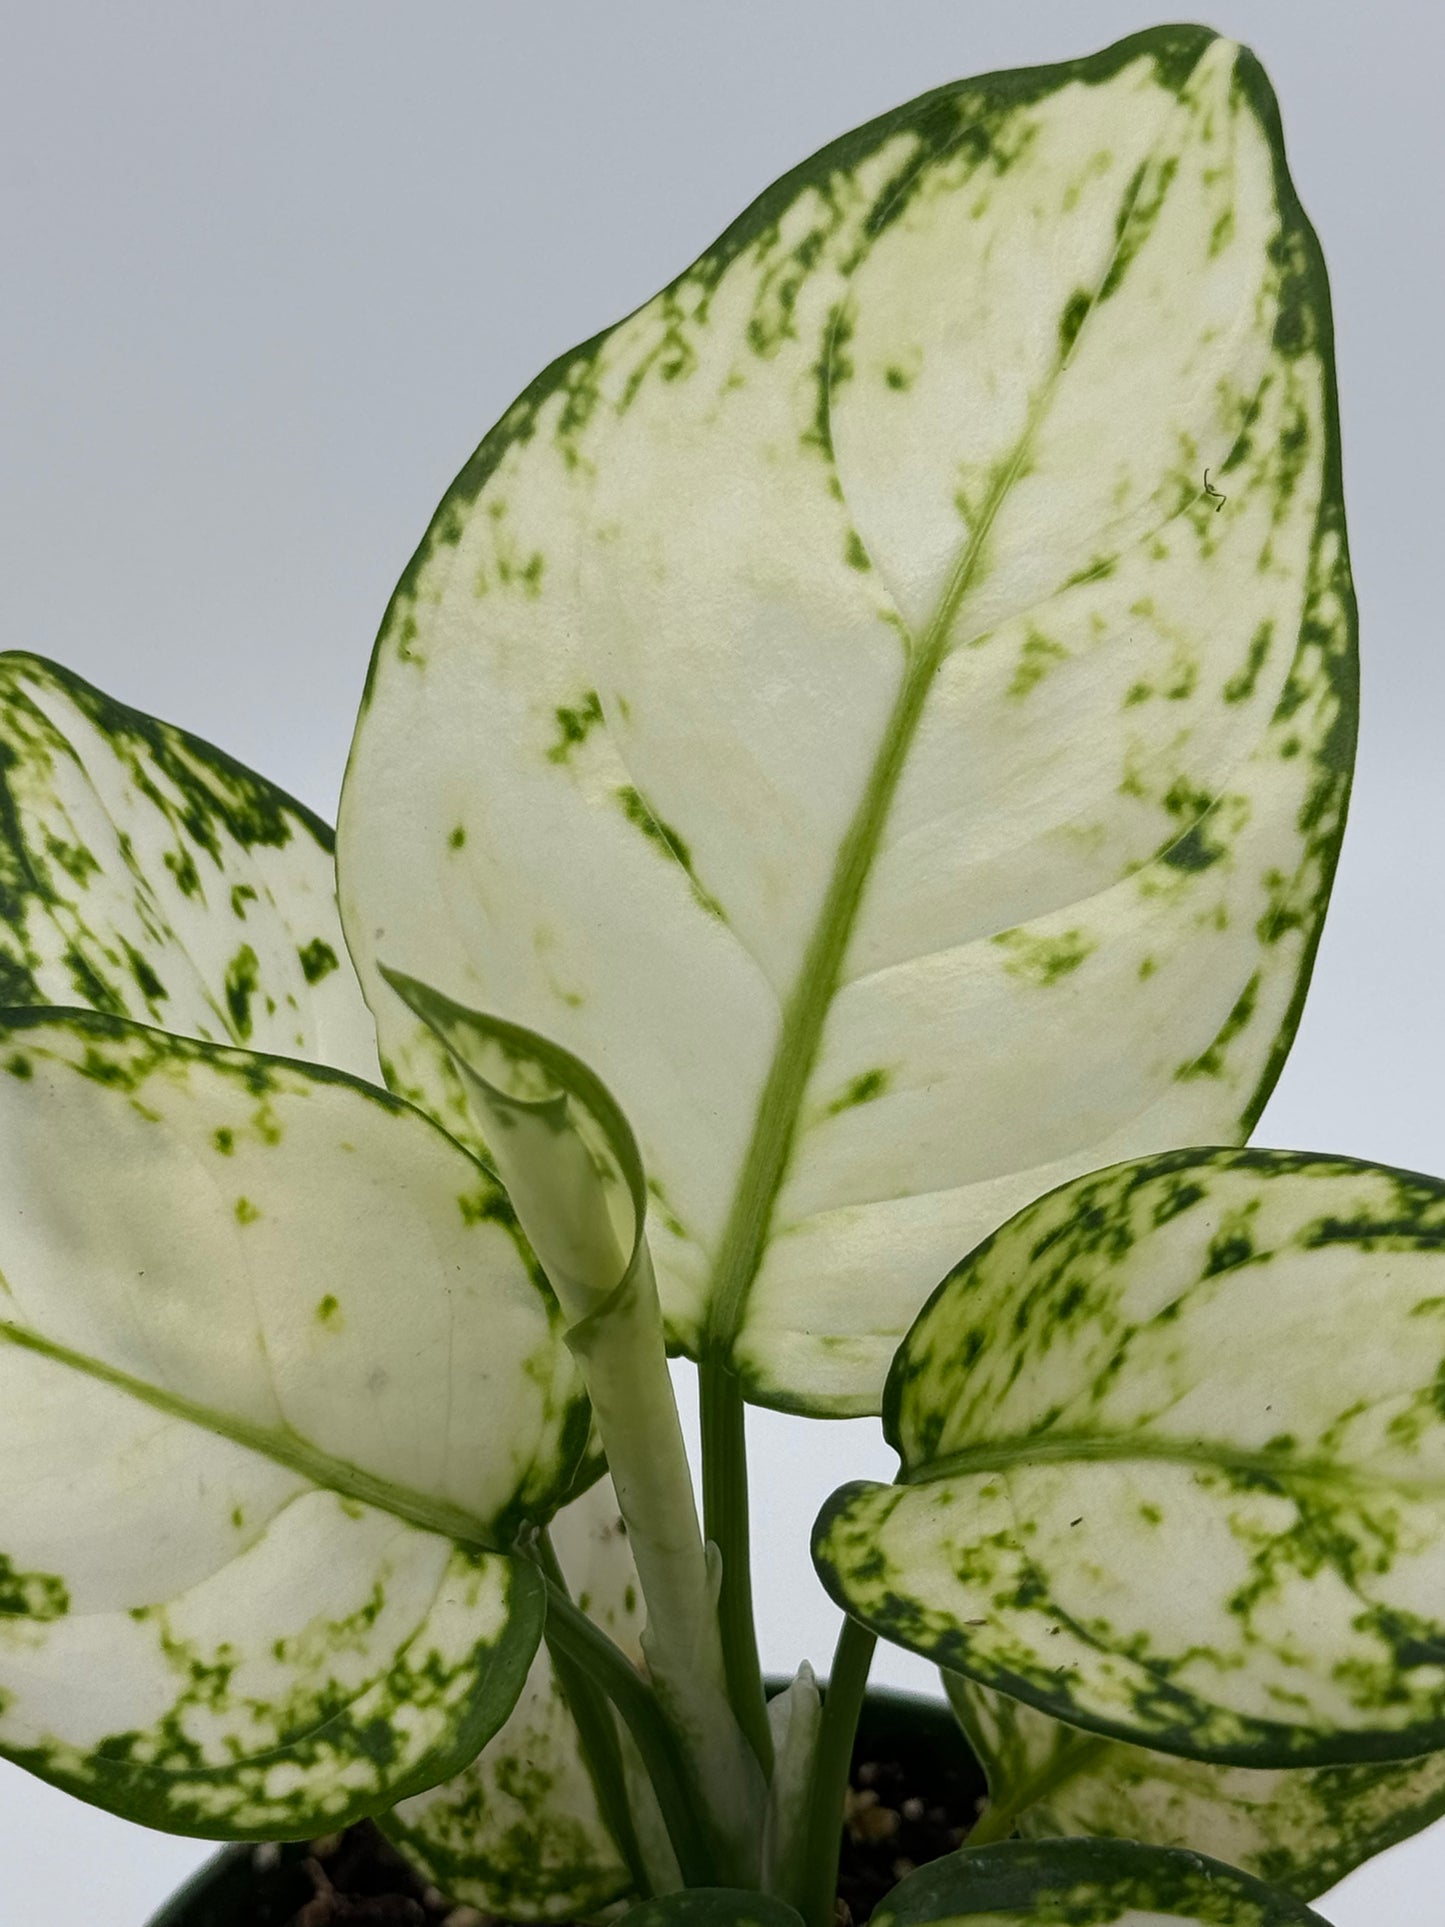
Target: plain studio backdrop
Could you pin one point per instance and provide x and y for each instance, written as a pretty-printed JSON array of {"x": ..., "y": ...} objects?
[{"x": 272, "y": 270}]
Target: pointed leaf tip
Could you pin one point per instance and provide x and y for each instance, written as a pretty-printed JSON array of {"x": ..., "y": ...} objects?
[
  {"x": 559, "y": 1142},
  {"x": 889, "y": 702}
]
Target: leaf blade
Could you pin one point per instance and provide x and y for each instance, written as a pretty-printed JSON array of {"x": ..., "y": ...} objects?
[
  {"x": 1089, "y": 1883},
  {"x": 744, "y": 755},
  {"x": 713, "y": 1907},
  {"x": 1301, "y": 1830},
  {"x": 1144, "y": 1488},
  {"x": 521, "y": 1831},
  {"x": 146, "y": 874},
  {"x": 199, "y": 1301}
]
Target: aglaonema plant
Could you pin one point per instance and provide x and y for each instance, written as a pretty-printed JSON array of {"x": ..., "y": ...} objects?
[{"x": 847, "y": 787}]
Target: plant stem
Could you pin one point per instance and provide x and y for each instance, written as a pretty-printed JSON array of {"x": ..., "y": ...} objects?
[
  {"x": 725, "y": 1524},
  {"x": 587, "y": 1648},
  {"x": 592, "y": 1717},
  {"x": 816, "y": 1892}
]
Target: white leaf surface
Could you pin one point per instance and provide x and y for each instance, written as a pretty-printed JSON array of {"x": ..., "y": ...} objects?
[
  {"x": 278, "y": 1385},
  {"x": 887, "y": 705}
]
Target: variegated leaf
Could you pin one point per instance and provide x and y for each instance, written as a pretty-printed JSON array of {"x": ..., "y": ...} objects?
[
  {"x": 1301, "y": 1829},
  {"x": 278, "y": 1385},
  {"x": 520, "y": 1832},
  {"x": 146, "y": 874},
  {"x": 713, "y": 1907},
  {"x": 888, "y": 704},
  {"x": 1173, "y": 1462},
  {"x": 1087, "y": 1883}
]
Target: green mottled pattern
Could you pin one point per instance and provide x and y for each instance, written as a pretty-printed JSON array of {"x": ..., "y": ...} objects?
[
  {"x": 1173, "y": 1462},
  {"x": 713, "y": 1907},
  {"x": 519, "y": 1832},
  {"x": 888, "y": 704},
  {"x": 1086, "y": 1883},
  {"x": 278, "y": 1385},
  {"x": 1301, "y": 1829},
  {"x": 146, "y": 874}
]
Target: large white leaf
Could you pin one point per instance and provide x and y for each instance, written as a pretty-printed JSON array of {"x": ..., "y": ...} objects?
[
  {"x": 146, "y": 874},
  {"x": 888, "y": 704},
  {"x": 1300, "y": 1828},
  {"x": 521, "y": 1832},
  {"x": 278, "y": 1385},
  {"x": 1087, "y": 1883},
  {"x": 1173, "y": 1463}
]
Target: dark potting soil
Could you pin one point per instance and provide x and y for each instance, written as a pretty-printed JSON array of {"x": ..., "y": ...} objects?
[{"x": 900, "y": 1813}]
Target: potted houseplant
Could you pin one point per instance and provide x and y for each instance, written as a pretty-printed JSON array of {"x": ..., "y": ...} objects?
[{"x": 846, "y": 796}]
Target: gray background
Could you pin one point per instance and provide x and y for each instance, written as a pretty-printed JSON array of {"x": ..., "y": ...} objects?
[{"x": 270, "y": 272}]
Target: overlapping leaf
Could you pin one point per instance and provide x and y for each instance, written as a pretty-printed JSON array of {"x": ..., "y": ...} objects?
[
  {"x": 1087, "y": 1883},
  {"x": 887, "y": 705},
  {"x": 521, "y": 1831},
  {"x": 1301, "y": 1829},
  {"x": 713, "y": 1907},
  {"x": 1173, "y": 1463},
  {"x": 145, "y": 874},
  {"x": 278, "y": 1385}
]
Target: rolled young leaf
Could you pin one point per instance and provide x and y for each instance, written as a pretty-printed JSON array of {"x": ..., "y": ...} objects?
[
  {"x": 279, "y": 1384},
  {"x": 521, "y": 1832},
  {"x": 560, "y": 1144},
  {"x": 146, "y": 874},
  {"x": 571, "y": 1165},
  {"x": 887, "y": 705},
  {"x": 1173, "y": 1463},
  {"x": 794, "y": 1718},
  {"x": 1087, "y": 1883},
  {"x": 1302, "y": 1829}
]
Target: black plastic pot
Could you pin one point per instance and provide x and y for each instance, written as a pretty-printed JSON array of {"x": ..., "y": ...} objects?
[{"x": 231, "y": 1890}]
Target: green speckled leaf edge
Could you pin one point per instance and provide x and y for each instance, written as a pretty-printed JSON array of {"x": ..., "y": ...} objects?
[
  {"x": 1087, "y": 1883},
  {"x": 521, "y": 1832},
  {"x": 1376, "y": 1666},
  {"x": 1344, "y": 664},
  {"x": 1181, "y": 40},
  {"x": 1327, "y": 806},
  {"x": 1301, "y": 1829},
  {"x": 146, "y": 1797},
  {"x": 345, "y": 1752},
  {"x": 148, "y": 874}
]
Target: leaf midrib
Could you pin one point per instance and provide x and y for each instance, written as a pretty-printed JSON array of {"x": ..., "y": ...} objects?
[
  {"x": 282, "y": 1446},
  {"x": 745, "y": 1235},
  {"x": 1086, "y": 1448}
]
